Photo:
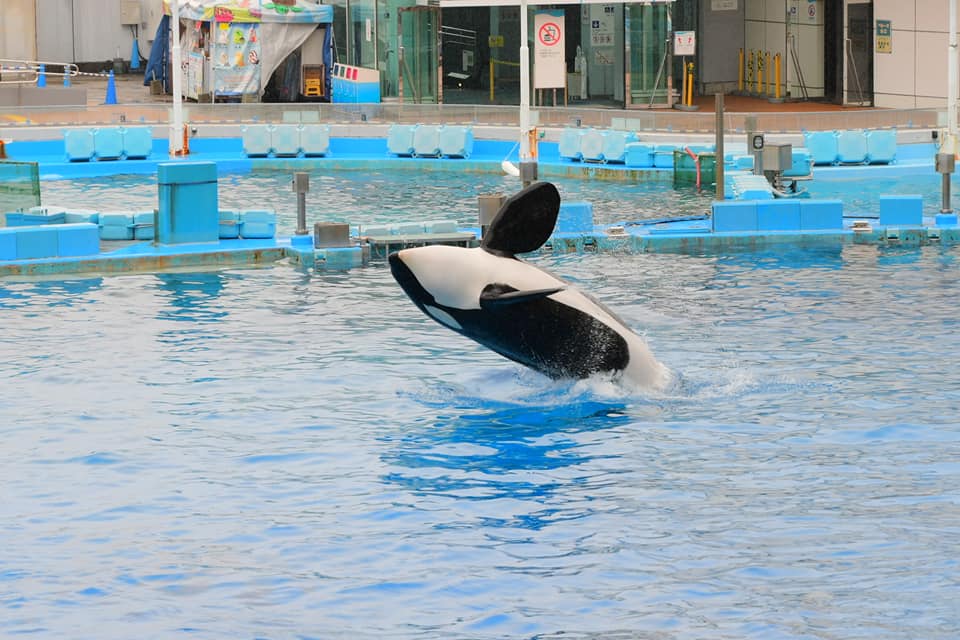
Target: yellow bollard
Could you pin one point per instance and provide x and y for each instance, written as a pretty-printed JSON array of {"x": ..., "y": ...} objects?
[
  {"x": 750, "y": 71},
  {"x": 491, "y": 79},
  {"x": 740, "y": 73},
  {"x": 777, "y": 63},
  {"x": 769, "y": 89},
  {"x": 758, "y": 79},
  {"x": 690, "y": 85}
]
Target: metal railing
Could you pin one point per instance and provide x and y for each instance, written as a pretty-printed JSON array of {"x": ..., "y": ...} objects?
[{"x": 34, "y": 71}]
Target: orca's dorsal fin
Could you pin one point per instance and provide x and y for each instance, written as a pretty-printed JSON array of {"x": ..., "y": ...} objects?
[{"x": 525, "y": 221}]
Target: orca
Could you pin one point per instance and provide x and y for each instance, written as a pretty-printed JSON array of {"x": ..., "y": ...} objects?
[{"x": 524, "y": 313}]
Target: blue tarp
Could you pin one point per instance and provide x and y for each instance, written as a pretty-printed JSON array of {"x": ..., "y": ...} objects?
[{"x": 156, "y": 68}]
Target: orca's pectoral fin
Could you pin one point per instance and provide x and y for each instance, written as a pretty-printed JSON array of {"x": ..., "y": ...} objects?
[
  {"x": 495, "y": 297},
  {"x": 525, "y": 221}
]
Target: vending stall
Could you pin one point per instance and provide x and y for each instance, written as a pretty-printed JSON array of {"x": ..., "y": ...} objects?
[{"x": 252, "y": 50}]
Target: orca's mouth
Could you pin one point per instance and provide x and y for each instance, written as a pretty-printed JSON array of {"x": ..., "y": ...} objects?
[{"x": 407, "y": 280}]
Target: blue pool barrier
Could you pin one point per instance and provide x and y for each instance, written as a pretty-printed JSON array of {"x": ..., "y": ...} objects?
[
  {"x": 570, "y": 140},
  {"x": 881, "y": 146},
  {"x": 144, "y": 227},
  {"x": 574, "y": 217},
  {"x": 400, "y": 139},
  {"x": 638, "y": 155},
  {"x": 822, "y": 146},
  {"x": 137, "y": 142},
  {"x": 315, "y": 140},
  {"x": 778, "y": 215},
  {"x": 188, "y": 209},
  {"x": 663, "y": 156},
  {"x": 591, "y": 145},
  {"x": 77, "y": 239},
  {"x": 49, "y": 241},
  {"x": 906, "y": 210},
  {"x": 108, "y": 143},
  {"x": 256, "y": 140},
  {"x": 734, "y": 215},
  {"x": 852, "y": 146},
  {"x": 615, "y": 145},
  {"x": 456, "y": 141},
  {"x": 116, "y": 226},
  {"x": 285, "y": 139},
  {"x": 228, "y": 227},
  {"x": 258, "y": 224},
  {"x": 426, "y": 141},
  {"x": 820, "y": 215},
  {"x": 78, "y": 144}
]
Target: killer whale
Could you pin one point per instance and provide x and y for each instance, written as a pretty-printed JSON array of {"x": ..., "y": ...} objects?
[{"x": 518, "y": 310}]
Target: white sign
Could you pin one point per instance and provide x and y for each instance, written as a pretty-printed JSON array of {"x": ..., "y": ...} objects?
[
  {"x": 549, "y": 59},
  {"x": 684, "y": 43},
  {"x": 602, "y": 26},
  {"x": 723, "y": 5}
]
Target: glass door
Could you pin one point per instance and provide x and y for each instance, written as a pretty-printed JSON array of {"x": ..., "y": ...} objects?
[
  {"x": 419, "y": 55},
  {"x": 648, "y": 66}
]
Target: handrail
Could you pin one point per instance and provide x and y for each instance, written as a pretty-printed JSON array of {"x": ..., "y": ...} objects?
[{"x": 34, "y": 68}]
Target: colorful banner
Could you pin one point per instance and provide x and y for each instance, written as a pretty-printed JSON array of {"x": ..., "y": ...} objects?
[
  {"x": 251, "y": 11},
  {"x": 236, "y": 58}
]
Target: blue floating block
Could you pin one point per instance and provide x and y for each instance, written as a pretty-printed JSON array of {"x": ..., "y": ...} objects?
[
  {"x": 341, "y": 257},
  {"x": 137, "y": 142},
  {"x": 569, "y": 146},
  {"x": 946, "y": 220},
  {"x": 426, "y": 141},
  {"x": 802, "y": 164},
  {"x": 256, "y": 140},
  {"x": 406, "y": 228},
  {"x": 80, "y": 239},
  {"x": 663, "y": 156},
  {"x": 734, "y": 216},
  {"x": 822, "y": 146},
  {"x": 744, "y": 162},
  {"x": 400, "y": 139},
  {"x": 78, "y": 144},
  {"x": 107, "y": 143},
  {"x": 116, "y": 226},
  {"x": 440, "y": 226},
  {"x": 8, "y": 244},
  {"x": 143, "y": 225},
  {"x": 905, "y": 211},
  {"x": 591, "y": 145},
  {"x": 456, "y": 142},
  {"x": 315, "y": 139},
  {"x": 851, "y": 146},
  {"x": 778, "y": 215},
  {"x": 882, "y": 146},
  {"x": 285, "y": 139},
  {"x": 81, "y": 215},
  {"x": 257, "y": 223},
  {"x": 36, "y": 242},
  {"x": 821, "y": 215},
  {"x": 638, "y": 154},
  {"x": 229, "y": 224},
  {"x": 615, "y": 145},
  {"x": 574, "y": 217}
]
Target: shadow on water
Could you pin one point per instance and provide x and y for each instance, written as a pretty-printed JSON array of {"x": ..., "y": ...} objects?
[
  {"x": 480, "y": 448},
  {"x": 189, "y": 296}
]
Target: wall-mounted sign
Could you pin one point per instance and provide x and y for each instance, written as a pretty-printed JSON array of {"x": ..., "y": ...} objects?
[
  {"x": 723, "y": 5},
  {"x": 884, "y": 36},
  {"x": 684, "y": 43}
]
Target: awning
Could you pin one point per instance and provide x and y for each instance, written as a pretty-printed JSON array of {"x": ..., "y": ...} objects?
[
  {"x": 516, "y": 3},
  {"x": 284, "y": 11}
]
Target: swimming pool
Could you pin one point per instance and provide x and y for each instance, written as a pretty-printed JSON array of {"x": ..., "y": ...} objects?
[{"x": 273, "y": 453}]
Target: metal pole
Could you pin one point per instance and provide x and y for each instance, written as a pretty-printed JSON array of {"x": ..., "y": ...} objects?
[
  {"x": 718, "y": 163},
  {"x": 527, "y": 162},
  {"x": 301, "y": 184},
  {"x": 945, "y": 206},
  {"x": 952, "y": 79},
  {"x": 176, "y": 126}
]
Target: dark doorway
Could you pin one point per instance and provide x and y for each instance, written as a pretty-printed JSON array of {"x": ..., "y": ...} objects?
[
  {"x": 859, "y": 58},
  {"x": 833, "y": 52}
]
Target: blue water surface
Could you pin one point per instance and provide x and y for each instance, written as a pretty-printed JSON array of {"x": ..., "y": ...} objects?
[{"x": 268, "y": 453}]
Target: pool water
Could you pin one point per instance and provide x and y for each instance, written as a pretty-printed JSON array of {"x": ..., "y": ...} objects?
[
  {"x": 380, "y": 197},
  {"x": 275, "y": 454}
]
